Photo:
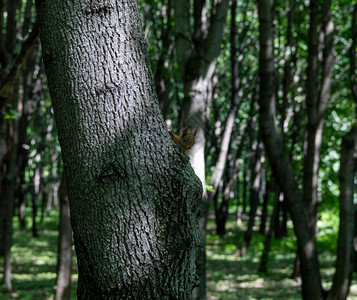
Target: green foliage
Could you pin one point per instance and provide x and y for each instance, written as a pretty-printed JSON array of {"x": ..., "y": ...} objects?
[{"x": 11, "y": 113}]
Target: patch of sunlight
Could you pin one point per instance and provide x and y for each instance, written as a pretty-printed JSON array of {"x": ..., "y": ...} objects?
[
  {"x": 35, "y": 277},
  {"x": 353, "y": 291},
  {"x": 223, "y": 257},
  {"x": 259, "y": 283},
  {"x": 225, "y": 286}
]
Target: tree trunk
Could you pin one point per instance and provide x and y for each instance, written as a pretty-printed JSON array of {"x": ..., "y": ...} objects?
[
  {"x": 133, "y": 195},
  {"x": 344, "y": 266},
  {"x": 8, "y": 168},
  {"x": 235, "y": 103},
  {"x": 279, "y": 161},
  {"x": 263, "y": 266},
  {"x": 347, "y": 241},
  {"x": 197, "y": 49},
  {"x": 164, "y": 64},
  {"x": 229, "y": 182},
  {"x": 254, "y": 198},
  {"x": 262, "y": 228},
  {"x": 64, "y": 258}
]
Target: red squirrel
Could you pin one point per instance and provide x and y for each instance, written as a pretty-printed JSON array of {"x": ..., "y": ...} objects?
[{"x": 184, "y": 141}]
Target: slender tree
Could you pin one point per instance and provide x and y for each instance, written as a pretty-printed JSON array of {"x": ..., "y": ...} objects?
[
  {"x": 279, "y": 161},
  {"x": 133, "y": 195},
  {"x": 64, "y": 257},
  {"x": 348, "y": 162},
  {"x": 197, "y": 49},
  {"x": 11, "y": 69}
]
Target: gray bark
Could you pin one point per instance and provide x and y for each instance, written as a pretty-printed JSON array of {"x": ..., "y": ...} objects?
[{"x": 133, "y": 195}]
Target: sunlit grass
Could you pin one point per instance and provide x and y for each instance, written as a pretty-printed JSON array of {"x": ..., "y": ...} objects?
[
  {"x": 34, "y": 262},
  {"x": 229, "y": 276}
]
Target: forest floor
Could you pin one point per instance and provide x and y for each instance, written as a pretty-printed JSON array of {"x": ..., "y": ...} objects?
[{"x": 229, "y": 277}]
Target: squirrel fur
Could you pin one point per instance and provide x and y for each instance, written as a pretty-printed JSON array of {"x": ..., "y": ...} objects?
[{"x": 185, "y": 141}]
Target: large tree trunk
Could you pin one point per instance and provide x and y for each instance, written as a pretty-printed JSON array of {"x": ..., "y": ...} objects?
[
  {"x": 279, "y": 161},
  {"x": 133, "y": 195}
]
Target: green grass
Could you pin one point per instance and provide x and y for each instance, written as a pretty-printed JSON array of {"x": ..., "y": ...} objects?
[
  {"x": 34, "y": 262},
  {"x": 229, "y": 277}
]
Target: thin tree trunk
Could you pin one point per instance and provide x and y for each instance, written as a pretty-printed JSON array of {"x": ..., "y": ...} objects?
[
  {"x": 8, "y": 167},
  {"x": 164, "y": 64},
  {"x": 64, "y": 258},
  {"x": 13, "y": 76},
  {"x": 344, "y": 262},
  {"x": 256, "y": 174},
  {"x": 311, "y": 162},
  {"x": 279, "y": 161},
  {"x": 262, "y": 228},
  {"x": 229, "y": 182},
  {"x": 263, "y": 267},
  {"x": 234, "y": 106},
  {"x": 347, "y": 241}
]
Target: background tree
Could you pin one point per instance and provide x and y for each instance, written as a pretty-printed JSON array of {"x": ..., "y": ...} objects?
[
  {"x": 279, "y": 161},
  {"x": 12, "y": 64},
  {"x": 197, "y": 49}
]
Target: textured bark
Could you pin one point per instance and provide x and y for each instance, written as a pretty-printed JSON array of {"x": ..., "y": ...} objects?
[
  {"x": 279, "y": 161},
  {"x": 133, "y": 195},
  {"x": 64, "y": 258}
]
